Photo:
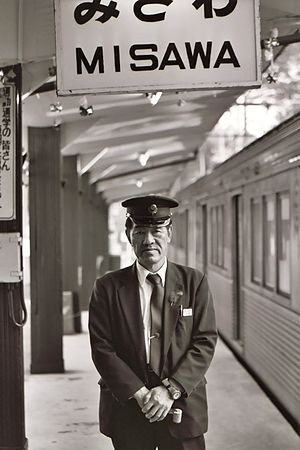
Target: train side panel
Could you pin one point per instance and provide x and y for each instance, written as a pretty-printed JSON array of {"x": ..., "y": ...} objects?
[
  {"x": 271, "y": 322},
  {"x": 241, "y": 225}
]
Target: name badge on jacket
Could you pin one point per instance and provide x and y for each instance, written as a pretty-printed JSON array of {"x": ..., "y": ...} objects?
[{"x": 186, "y": 312}]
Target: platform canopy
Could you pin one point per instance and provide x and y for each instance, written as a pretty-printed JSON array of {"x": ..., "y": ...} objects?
[{"x": 128, "y": 145}]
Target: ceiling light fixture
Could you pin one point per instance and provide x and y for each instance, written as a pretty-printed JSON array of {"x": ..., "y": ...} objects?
[
  {"x": 139, "y": 183},
  {"x": 52, "y": 70},
  {"x": 57, "y": 123},
  {"x": 3, "y": 79},
  {"x": 143, "y": 158},
  {"x": 56, "y": 107},
  {"x": 84, "y": 112},
  {"x": 154, "y": 97},
  {"x": 269, "y": 45},
  {"x": 181, "y": 102},
  {"x": 6, "y": 77}
]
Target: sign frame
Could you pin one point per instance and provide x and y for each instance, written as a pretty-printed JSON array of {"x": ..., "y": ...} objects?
[{"x": 65, "y": 64}]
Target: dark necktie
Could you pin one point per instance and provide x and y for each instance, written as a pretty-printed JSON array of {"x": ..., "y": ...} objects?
[{"x": 156, "y": 310}]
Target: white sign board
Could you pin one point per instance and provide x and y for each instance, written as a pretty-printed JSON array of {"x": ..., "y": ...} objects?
[
  {"x": 7, "y": 153},
  {"x": 140, "y": 45}
]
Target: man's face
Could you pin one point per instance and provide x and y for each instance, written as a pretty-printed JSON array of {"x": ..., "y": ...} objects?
[{"x": 150, "y": 244}]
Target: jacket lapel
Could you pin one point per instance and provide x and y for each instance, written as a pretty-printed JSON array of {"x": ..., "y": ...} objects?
[
  {"x": 173, "y": 299},
  {"x": 130, "y": 304}
]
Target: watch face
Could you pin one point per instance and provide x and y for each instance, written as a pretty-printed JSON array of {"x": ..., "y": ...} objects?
[{"x": 176, "y": 395}]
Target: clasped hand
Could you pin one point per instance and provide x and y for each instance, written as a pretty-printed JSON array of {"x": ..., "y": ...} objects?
[{"x": 155, "y": 403}]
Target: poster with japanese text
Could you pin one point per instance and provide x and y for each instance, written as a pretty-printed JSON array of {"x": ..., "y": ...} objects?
[{"x": 7, "y": 153}]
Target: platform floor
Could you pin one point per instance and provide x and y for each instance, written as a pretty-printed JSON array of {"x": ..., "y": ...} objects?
[{"x": 62, "y": 409}]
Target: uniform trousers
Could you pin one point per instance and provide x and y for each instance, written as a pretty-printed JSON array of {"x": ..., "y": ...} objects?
[{"x": 132, "y": 431}]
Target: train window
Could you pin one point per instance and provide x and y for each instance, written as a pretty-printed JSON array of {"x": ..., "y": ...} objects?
[
  {"x": 217, "y": 235},
  {"x": 283, "y": 243},
  {"x": 269, "y": 242},
  {"x": 274, "y": 233},
  {"x": 256, "y": 239}
]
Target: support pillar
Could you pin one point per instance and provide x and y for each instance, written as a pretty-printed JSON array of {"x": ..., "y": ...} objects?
[
  {"x": 12, "y": 416},
  {"x": 45, "y": 250},
  {"x": 94, "y": 238},
  {"x": 101, "y": 233},
  {"x": 70, "y": 241}
]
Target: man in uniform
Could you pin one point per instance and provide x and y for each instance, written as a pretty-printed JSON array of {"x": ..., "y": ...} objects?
[{"x": 153, "y": 334}]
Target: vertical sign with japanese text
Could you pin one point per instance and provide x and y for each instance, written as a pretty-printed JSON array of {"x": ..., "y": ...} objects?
[
  {"x": 7, "y": 153},
  {"x": 146, "y": 45}
]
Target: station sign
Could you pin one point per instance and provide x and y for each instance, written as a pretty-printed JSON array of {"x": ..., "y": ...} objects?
[
  {"x": 106, "y": 46},
  {"x": 7, "y": 153}
]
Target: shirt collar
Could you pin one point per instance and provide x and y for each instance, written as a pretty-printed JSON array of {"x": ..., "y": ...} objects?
[{"x": 142, "y": 273}]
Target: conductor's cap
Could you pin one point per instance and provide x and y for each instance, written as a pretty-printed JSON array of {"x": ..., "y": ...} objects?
[{"x": 150, "y": 209}]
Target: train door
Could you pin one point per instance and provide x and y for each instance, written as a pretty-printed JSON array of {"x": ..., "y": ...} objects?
[
  {"x": 237, "y": 247},
  {"x": 181, "y": 237},
  {"x": 186, "y": 236},
  {"x": 201, "y": 237},
  {"x": 204, "y": 238}
]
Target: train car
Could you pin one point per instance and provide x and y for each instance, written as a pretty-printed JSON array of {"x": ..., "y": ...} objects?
[{"x": 241, "y": 225}]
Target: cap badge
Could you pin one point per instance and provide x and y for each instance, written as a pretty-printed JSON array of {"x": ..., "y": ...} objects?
[{"x": 153, "y": 209}]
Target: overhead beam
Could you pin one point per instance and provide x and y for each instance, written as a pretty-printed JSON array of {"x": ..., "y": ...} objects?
[
  {"x": 151, "y": 168},
  {"x": 70, "y": 132},
  {"x": 157, "y": 148},
  {"x": 89, "y": 147},
  {"x": 96, "y": 165},
  {"x": 113, "y": 195},
  {"x": 153, "y": 177},
  {"x": 283, "y": 40}
]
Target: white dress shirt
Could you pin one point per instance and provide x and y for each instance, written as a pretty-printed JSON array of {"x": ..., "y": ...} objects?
[{"x": 145, "y": 289}]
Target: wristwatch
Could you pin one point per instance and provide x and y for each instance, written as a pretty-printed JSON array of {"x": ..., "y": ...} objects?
[{"x": 174, "y": 392}]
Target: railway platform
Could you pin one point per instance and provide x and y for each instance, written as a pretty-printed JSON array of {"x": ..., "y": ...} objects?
[{"x": 62, "y": 409}]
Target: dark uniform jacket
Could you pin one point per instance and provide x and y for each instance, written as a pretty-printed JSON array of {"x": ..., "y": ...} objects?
[{"x": 118, "y": 348}]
